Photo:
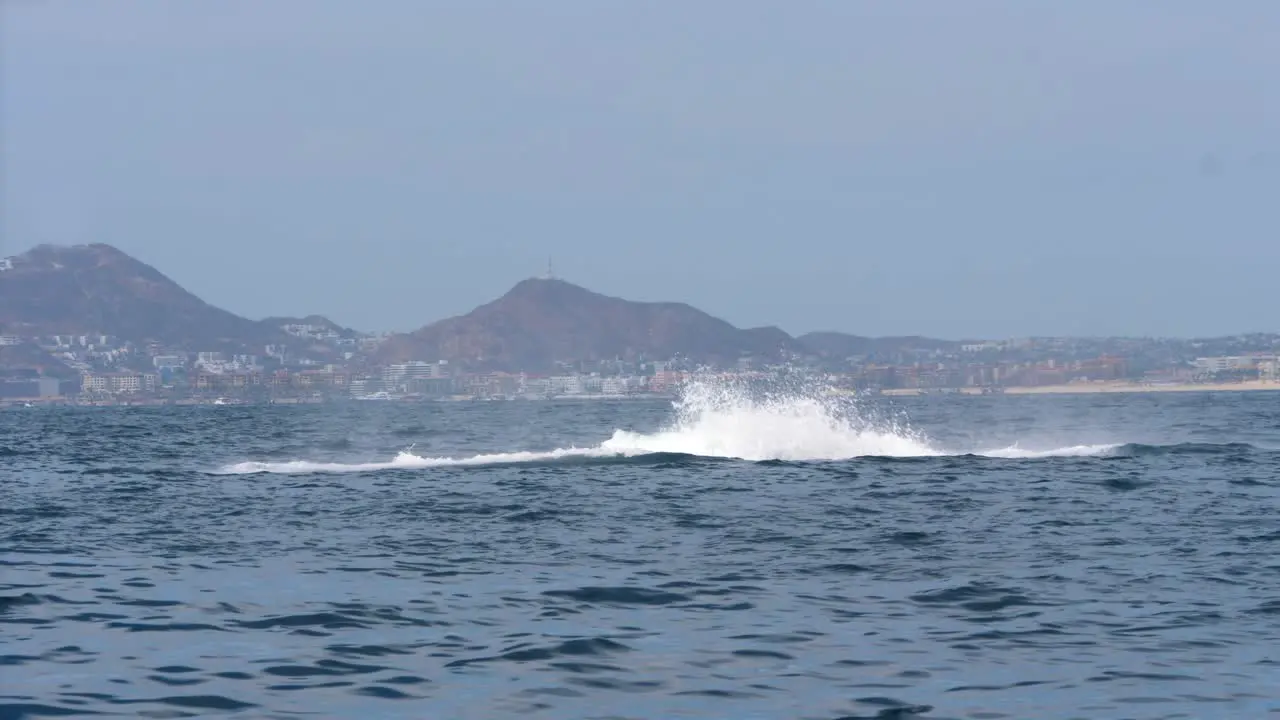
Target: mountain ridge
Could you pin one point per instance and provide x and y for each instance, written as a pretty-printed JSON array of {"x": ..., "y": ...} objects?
[
  {"x": 839, "y": 345},
  {"x": 541, "y": 321},
  {"x": 97, "y": 288}
]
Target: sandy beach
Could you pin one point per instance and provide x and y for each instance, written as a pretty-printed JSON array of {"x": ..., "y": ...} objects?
[{"x": 1104, "y": 387}]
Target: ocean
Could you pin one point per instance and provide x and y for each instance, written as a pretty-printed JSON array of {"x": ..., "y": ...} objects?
[{"x": 737, "y": 555}]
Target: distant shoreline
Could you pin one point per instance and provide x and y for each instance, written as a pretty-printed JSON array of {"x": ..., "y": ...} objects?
[
  {"x": 1094, "y": 388},
  {"x": 1082, "y": 388}
]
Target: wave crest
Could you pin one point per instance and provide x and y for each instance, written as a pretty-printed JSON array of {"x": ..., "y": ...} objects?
[
  {"x": 406, "y": 460},
  {"x": 795, "y": 420}
]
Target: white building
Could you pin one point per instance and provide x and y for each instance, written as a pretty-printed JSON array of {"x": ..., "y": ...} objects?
[
  {"x": 1269, "y": 369},
  {"x": 399, "y": 374},
  {"x": 1224, "y": 363},
  {"x": 90, "y": 341},
  {"x": 95, "y": 383},
  {"x": 534, "y": 386},
  {"x": 564, "y": 385},
  {"x": 119, "y": 383},
  {"x": 169, "y": 361},
  {"x": 204, "y": 359}
]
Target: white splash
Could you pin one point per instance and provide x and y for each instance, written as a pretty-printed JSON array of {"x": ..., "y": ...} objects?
[
  {"x": 719, "y": 419},
  {"x": 723, "y": 420}
]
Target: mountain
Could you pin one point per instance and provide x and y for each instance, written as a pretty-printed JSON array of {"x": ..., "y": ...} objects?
[
  {"x": 837, "y": 345},
  {"x": 83, "y": 289},
  {"x": 541, "y": 321},
  {"x": 315, "y": 321},
  {"x": 97, "y": 289}
]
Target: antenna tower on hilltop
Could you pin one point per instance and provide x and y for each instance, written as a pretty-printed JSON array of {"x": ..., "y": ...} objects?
[{"x": 549, "y": 274}]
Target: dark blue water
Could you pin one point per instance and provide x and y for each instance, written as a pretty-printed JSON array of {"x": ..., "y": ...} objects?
[{"x": 1130, "y": 573}]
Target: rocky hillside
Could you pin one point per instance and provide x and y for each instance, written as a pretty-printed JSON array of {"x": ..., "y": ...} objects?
[
  {"x": 541, "y": 321},
  {"x": 52, "y": 290},
  {"x": 316, "y": 321}
]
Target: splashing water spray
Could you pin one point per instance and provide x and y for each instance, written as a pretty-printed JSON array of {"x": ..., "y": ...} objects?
[{"x": 790, "y": 417}]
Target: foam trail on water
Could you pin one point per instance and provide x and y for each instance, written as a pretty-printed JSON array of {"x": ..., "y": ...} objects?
[
  {"x": 408, "y": 461},
  {"x": 721, "y": 419},
  {"x": 1015, "y": 452}
]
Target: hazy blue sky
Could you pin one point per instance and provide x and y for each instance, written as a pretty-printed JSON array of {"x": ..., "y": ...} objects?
[{"x": 959, "y": 169}]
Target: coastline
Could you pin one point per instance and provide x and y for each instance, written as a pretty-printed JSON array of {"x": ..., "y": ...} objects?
[
  {"x": 1081, "y": 388},
  {"x": 1093, "y": 388}
]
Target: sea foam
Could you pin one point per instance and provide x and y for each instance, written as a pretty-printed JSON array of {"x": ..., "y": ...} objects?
[
  {"x": 715, "y": 418},
  {"x": 729, "y": 420}
]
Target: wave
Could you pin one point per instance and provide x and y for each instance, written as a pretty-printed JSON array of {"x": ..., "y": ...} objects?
[
  {"x": 713, "y": 419},
  {"x": 1014, "y": 452},
  {"x": 1190, "y": 448},
  {"x": 1122, "y": 450},
  {"x": 716, "y": 419},
  {"x": 633, "y": 452},
  {"x": 406, "y": 460}
]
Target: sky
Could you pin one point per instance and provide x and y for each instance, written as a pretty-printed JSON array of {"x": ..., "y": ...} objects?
[{"x": 963, "y": 170}]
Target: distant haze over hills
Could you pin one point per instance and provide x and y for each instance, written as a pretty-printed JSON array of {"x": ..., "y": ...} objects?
[
  {"x": 53, "y": 290},
  {"x": 98, "y": 289},
  {"x": 541, "y": 321},
  {"x": 315, "y": 321},
  {"x": 841, "y": 345}
]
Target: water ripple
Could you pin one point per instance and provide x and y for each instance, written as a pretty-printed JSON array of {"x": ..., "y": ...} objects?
[{"x": 1134, "y": 580}]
